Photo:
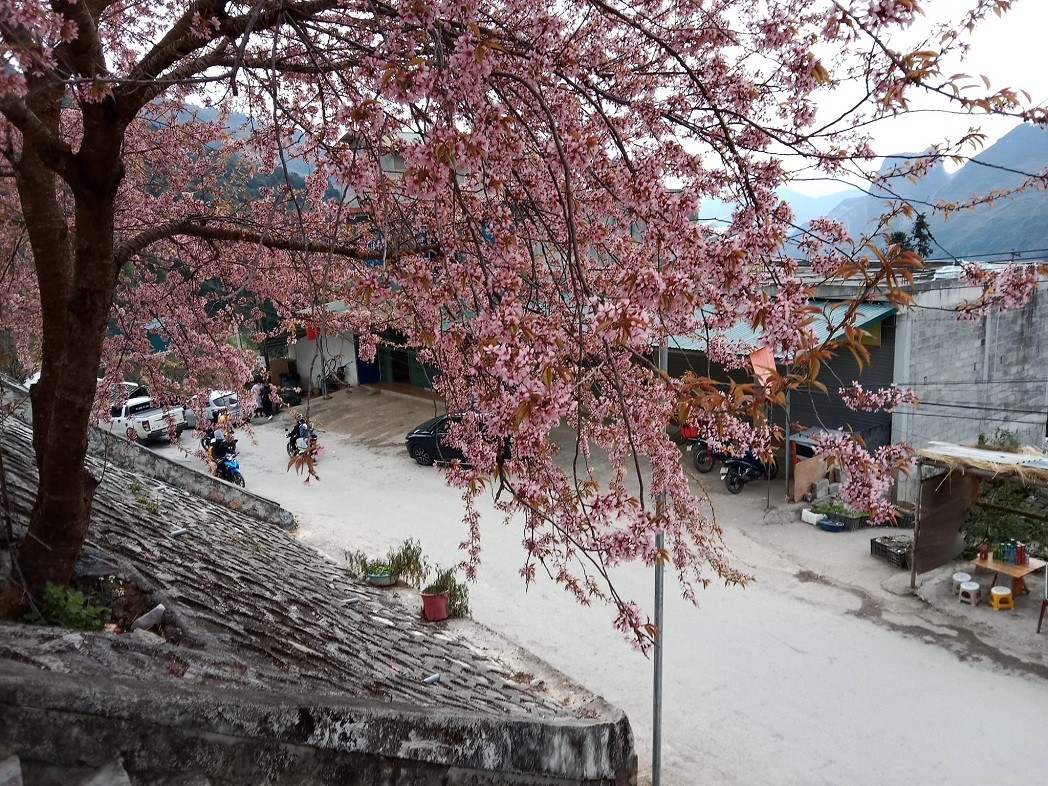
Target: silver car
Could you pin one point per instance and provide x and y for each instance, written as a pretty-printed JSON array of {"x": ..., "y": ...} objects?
[{"x": 222, "y": 401}]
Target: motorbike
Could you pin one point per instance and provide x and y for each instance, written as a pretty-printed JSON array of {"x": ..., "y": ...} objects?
[
  {"x": 210, "y": 436},
  {"x": 703, "y": 457},
  {"x": 740, "y": 470},
  {"x": 311, "y": 447},
  {"x": 228, "y": 469}
]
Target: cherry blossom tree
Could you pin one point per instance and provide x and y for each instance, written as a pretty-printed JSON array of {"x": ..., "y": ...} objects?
[{"x": 511, "y": 187}]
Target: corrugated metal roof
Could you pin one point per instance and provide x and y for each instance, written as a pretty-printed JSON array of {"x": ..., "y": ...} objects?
[{"x": 832, "y": 311}]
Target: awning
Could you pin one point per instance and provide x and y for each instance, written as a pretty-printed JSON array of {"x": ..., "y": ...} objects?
[{"x": 832, "y": 312}]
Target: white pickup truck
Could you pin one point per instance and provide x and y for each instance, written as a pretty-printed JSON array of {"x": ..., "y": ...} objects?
[{"x": 143, "y": 419}]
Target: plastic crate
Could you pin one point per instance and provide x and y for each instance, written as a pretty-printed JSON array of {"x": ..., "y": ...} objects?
[
  {"x": 896, "y": 555},
  {"x": 852, "y": 523}
]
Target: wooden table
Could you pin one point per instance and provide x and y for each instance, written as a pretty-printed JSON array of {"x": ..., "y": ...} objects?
[{"x": 1015, "y": 571}]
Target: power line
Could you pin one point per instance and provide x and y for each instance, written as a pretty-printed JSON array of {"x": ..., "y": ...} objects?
[
  {"x": 993, "y": 407},
  {"x": 967, "y": 417},
  {"x": 1040, "y": 381},
  {"x": 1011, "y": 252}
]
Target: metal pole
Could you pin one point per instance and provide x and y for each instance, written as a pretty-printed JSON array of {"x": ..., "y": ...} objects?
[
  {"x": 656, "y": 705},
  {"x": 660, "y": 573},
  {"x": 767, "y": 475},
  {"x": 916, "y": 525},
  {"x": 789, "y": 453}
]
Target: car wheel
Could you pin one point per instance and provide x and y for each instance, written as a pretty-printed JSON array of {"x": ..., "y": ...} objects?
[
  {"x": 421, "y": 455},
  {"x": 704, "y": 461},
  {"x": 238, "y": 479},
  {"x": 733, "y": 480}
]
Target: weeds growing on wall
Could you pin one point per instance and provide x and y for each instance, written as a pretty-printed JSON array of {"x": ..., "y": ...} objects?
[{"x": 67, "y": 608}]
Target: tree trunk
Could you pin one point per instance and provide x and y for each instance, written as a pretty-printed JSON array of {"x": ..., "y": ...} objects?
[{"x": 76, "y": 289}]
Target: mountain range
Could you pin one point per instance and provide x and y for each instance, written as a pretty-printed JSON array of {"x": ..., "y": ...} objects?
[
  {"x": 1014, "y": 225},
  {"x": 1010, "y": 226}
]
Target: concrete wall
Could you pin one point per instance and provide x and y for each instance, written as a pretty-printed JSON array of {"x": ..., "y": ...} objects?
[
  {"x": 340, "y": 348},
  {"x": 136, "y": 458},
  {"x": 241, "y": 737},
  {"x": 973, "y": 377}
]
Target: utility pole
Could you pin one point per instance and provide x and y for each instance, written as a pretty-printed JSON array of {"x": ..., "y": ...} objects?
[{"x": 660, "y": 575}]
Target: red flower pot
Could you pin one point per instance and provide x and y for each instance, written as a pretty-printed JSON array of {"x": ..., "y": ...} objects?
[{"x": 435, "y": 607}]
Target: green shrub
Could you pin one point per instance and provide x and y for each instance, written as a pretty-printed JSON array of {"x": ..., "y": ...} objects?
[
  {"x": 988, "y": 525},
  {"x": 458, "y": 593},
  {"x": 835, "y": 505},
  {"x": 66, "y": 608},
  {"x": 409, "y": 563}
]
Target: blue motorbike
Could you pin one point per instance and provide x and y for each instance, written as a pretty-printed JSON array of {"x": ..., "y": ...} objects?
[
  {"x": 740, "y": 470},
  {"x": 229, "y": 469}
]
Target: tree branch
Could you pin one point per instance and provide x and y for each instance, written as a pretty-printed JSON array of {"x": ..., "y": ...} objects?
[
  {"x": 83, "y": 54},
  {"x": 182, "y": 39},
  {"x": 57, "y": 154},
  {"x": 204, "y": 228}
]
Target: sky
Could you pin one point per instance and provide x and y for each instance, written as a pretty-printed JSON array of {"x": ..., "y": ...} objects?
[{"x": 1007, "y": 50}]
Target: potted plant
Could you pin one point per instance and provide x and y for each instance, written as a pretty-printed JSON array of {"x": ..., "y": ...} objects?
[
  {"x": 837, "y": 516},
  {"x": 377, "y": 572},
  {"x": 405, "y": 562},
  {"x": 380, "y": 574},
  {"x": 444, "y": 597}
]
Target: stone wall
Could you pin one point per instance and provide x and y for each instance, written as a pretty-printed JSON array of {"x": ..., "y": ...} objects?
[
  {"x": 249, "y": 738},
  {"x": 112, "y": 449},
  {"x": 136, "y": 458},
  {"x": 272, "y": 665}
]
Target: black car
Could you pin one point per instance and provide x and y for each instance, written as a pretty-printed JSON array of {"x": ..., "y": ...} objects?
[{"x": 425, "y": 442}]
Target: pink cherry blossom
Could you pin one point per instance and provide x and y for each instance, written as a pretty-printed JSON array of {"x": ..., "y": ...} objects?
[{"x": 509, "y": 189}]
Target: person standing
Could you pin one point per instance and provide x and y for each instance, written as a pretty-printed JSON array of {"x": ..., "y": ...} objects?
[
  {"x": 267, "y": 405},
  {"x": 256, "y": 399}
]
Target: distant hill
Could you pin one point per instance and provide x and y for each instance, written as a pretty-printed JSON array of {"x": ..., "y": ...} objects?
[
  {"x": 804, "y": 207},
  {"x": 1018, "y": 223}
]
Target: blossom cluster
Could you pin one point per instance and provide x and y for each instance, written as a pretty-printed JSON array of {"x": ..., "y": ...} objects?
[
  {"x": 868, "y": 477},
  {"x": 881, "y": 400},
  {"x": 1003, "y": 286}
]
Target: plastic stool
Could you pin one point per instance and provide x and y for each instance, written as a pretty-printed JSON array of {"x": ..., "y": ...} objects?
[
  {"x": 970, "y": 592},
  {"x": 958, "y": 580},
  {"x": 1001, "y": 598}
]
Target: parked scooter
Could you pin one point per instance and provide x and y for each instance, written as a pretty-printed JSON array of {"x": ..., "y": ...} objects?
[
  {"x": 702, "y": 457},
  {"x": 705, "y": 459},
  {"x": 740, "y": 470}
]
